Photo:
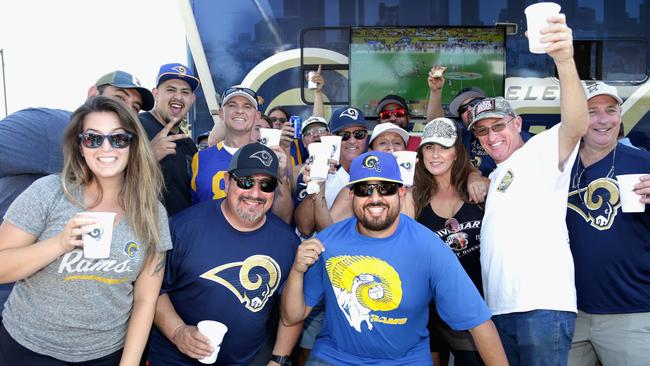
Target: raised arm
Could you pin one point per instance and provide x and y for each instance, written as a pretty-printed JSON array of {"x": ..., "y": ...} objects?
[
  {"x": 293, "y": 308},
  {"x": 319, "y": 110},
  {"x": 436, "y": 82},
  {"x": 573, "y": 102}
]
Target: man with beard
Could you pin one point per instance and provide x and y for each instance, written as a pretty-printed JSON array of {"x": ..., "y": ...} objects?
[
  {"x": 230, "y": 260},
  {"x": 174, "y": 95},
  {"x": 377, "y": 277}
]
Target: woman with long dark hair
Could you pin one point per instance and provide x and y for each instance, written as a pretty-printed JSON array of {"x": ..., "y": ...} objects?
[{"x": 66, "y": 308}]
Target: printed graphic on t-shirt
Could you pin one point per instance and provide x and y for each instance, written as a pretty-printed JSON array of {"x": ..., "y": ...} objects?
[
  {"x": 364, "y": 285},
  {"x": 253, "y": 281},
  {"x": 100, "y": 270},
  {"x": 456, "y": 237},
  {"x": 506, "y": 181},
  {"x": 598, "y": 203}
]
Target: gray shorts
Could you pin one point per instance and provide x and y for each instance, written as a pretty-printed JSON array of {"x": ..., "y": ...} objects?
[
  {"x": 312, "y": 326},
  {"x": 614, "y": 339}
]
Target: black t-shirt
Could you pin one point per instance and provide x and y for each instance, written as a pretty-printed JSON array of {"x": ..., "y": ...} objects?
[{"x": 176, "y": 168}]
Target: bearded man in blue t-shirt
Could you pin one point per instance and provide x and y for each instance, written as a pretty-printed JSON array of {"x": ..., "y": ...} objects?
[{"x": 376, "y": 274}]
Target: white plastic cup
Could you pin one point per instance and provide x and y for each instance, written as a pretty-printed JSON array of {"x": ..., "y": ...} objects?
[
  {"x": 270, "y": 136},
  {"x": 536, "y": 16},
  {"x": 406, "y": 163},
  {"x": 97, "y": 243},
  {"x": 335, "y": 141},
  {"x": 215, "y": 331},
  {"x": 310, "y": 83},
  {"x": 319, "y": 155},
  {"x": 630, "y": 200}
]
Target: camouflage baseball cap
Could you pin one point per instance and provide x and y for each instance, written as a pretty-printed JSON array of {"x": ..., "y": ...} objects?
[{"x": 491, "y": 108}]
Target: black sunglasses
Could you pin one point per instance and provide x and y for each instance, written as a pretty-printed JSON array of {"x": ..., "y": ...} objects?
[
  {"x": 267, "y": 185},
  {"x": 463, "y": 108},
  {"x": 93, "y": 140},
  {"x": 358, "y": 134},
  {"x": 366, "y": 189},
  {"x": 233, "y": 89}
]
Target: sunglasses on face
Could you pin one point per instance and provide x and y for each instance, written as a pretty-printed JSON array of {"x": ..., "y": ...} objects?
[
  {"x": 463, "y": 108},
  {"x": 398, "y": 112},
  {"x": 366, "y": 189},
  {"x": 315, "y": 131},
  {"x": 497, "y": 127},
  {"x": 94, "y": 140},
  {"x": 248, "y": 91},
  {"x": 278, "y": 119},
  {"x": 266, "y": 185},
  {"x": 358, "y": 135}
]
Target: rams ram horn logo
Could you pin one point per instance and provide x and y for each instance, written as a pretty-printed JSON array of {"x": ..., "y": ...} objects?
[
  {"x": 407, "y": 165},
  {"x": 350, "y": 112},
  {"x": 372, "y": 162},
  {"x": 253, "y": 281},
  {"x": 180, "y": 69},
  {"x": 597, "y": 203},
  {"x": 131, "y": 249},
  {"x": 263, "y": 156}
]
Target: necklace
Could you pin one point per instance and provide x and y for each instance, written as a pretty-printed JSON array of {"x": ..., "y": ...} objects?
[{"x": 577, "y": 178}]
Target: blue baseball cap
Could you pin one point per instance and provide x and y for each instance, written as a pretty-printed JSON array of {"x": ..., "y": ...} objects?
[
  {"x": 346, "y": 117},
  {"x": 177, "y": 71},
  {"x": 374, "y": 165}
]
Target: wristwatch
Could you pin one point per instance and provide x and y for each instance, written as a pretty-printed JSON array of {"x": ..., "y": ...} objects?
[{"x": 282, "y": 360}]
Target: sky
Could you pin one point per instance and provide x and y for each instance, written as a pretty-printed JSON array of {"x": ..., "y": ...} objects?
[{"x": 54, "y": 50}]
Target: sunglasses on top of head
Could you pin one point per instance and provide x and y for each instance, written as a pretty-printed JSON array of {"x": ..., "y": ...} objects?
[
  {"x": 463, "y": 108},
  {"x": 266, "y": 185},
  {"x": 497, "y": 127},
  {"x": 397, "y": 112},
  {"x": 93, "y": 140},
  {"x": 383, "y": 188},
  {"x": 358, "y": 134},
  {"x": 234, "y": 89}
]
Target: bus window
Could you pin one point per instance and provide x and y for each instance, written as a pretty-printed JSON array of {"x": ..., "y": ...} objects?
[{"x": 613, "y": 60}]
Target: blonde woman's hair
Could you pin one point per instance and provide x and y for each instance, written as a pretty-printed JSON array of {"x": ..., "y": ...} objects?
[{"x": 141, "y": 192}]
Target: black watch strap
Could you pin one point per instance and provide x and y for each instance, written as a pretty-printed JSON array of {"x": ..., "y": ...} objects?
[{"x": 282, "y": 360}]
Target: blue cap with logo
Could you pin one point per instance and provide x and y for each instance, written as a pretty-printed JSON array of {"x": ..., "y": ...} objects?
[
  {"x": 374, "y": 165},
  {"x": 254, "y": 158},
  {"x": 346, "y": 117},
  {"x": 177, "y": 71}
]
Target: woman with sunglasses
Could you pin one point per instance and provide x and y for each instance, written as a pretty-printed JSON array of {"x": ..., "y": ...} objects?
[
  {"x": 440, "y": 201},
  {"x": 66, "y": 308}
]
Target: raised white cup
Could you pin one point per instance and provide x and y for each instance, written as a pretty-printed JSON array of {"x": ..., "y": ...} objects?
[
  {"x": 335, "y": 141},
  {"x": 536, "y": 15},
  {"x": 630, "y": 200},
  {"x": 406, "y": 163},
  {"x": 215, "y": 331},
  {"x": 97, "y": 243},
  {"x": 319, "y": 155},
  {"x": 270, "y": 136}
]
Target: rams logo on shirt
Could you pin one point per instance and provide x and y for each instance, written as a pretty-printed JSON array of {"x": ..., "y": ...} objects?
[
  {"x": 597, "y": 203},
  {"x": 253, "y": 281}
]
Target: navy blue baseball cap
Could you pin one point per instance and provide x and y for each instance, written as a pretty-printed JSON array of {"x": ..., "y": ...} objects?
[
  {"x": 346, "y": 117},
  {"x": 177, "y": 71},
  {"x": 254, "y": 158},
  {"x": 374, "y": 165},
  {"x": 124, "y": 80}
]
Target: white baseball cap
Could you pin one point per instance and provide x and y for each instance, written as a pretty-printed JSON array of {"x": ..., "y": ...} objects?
[
  {"x": 600, "y": 88},
  {"x": 389, "y": 127}
]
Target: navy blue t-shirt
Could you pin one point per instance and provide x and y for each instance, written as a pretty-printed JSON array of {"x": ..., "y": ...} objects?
[
  {"x": 611, "y": 249},
  {"x": 218, "y": 273}
]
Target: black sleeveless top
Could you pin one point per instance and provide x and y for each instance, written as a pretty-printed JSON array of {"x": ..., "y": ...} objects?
[{"x": 462, "y": 236}]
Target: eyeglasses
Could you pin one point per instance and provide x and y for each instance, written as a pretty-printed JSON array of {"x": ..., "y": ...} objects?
[
  {"x": 315, "y": 131},
  {"x": 234, "y": 89},
  {"x": 497, "y": 127},
  {"x": 366, "y": 189},
  {"x": 266, "y": 185},
  {"x": 94, "y": 140},
  {"x": 278, "y": 119},
  {"x": 358, "y": 134},
  {"x": 397, "y": 112},
  {"x": 463, "y": 108}
]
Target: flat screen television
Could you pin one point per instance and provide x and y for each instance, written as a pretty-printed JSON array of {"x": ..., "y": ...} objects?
[{"x": 396, "y": 60}]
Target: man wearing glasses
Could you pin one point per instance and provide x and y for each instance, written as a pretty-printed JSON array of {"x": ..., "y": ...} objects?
[
  {"x": 376, "y": 273},
  {"x": 230, "y": 260},
  {"x": 351, "y": 125},
  {"x": 239, "y": 111},
  {"x": 527, "y": 268}
]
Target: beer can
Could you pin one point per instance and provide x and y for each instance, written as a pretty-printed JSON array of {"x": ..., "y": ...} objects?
[{"x": 296, "y": 122}]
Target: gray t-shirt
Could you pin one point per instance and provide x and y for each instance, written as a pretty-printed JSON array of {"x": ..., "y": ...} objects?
[{"x": 74, "y": 309}]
